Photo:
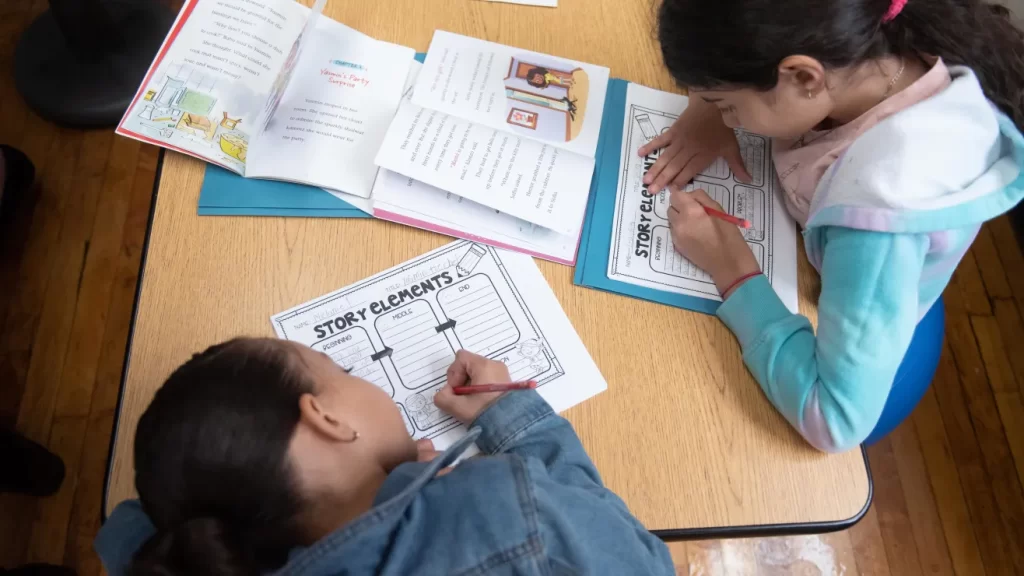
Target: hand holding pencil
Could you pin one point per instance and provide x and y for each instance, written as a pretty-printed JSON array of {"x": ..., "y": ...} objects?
[
  {"x": 469, "y": 371},
  {"x": 710, "y": 238}
]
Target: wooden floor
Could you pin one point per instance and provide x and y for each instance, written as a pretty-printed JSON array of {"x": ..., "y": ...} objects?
[{"x": 948, "y": 483}]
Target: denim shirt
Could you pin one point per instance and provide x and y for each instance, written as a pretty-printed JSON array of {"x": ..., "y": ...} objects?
[{"x": 536, "y": 505}]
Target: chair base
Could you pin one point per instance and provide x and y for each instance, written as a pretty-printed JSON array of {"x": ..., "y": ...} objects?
[{"x": 83, "y": 89}]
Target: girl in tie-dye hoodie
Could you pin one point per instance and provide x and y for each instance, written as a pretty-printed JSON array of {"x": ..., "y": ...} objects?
[{"x": 897, "y": 134}]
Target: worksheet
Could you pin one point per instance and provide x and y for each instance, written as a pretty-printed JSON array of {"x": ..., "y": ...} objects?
[
  {"x": 641, "y": 249},
  {"x": 400, "y": 330}
]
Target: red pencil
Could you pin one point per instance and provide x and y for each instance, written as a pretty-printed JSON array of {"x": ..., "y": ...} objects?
[
  {"x": 481, "y": 388},
  {"x": 741, "y": 222}
]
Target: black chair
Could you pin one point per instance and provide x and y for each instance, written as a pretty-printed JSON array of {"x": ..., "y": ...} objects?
[{"x": 81, "y": 61}]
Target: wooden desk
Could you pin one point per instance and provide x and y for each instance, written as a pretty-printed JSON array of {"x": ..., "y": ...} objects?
[{"x": 683, "y": 433}]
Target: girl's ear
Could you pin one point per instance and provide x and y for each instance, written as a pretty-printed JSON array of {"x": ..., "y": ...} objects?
[
  {"x": 803, "y": 74},
  {"x": 317, "y": 416}
]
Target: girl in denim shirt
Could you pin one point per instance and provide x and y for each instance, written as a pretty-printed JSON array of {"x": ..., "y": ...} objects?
[{"x": 261, "y": 456}]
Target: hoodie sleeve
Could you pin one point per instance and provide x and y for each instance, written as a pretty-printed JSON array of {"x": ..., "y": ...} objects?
[
  {"x": 832, "y": 386},
  {"x": 121, "y": 536}
]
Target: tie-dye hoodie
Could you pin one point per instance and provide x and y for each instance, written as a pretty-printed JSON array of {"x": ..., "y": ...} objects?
[{"x": 889, "y": 219}]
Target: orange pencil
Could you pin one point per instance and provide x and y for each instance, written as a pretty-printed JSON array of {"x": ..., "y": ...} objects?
[
  {"x": 481, "y": 388},
  {"x": 741, "y": 222}
]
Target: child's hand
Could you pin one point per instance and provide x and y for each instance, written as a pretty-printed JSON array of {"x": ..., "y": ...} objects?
[
  {"x": 693, "y": 142},
  {"x": 715, "y": 246},
  {"x": 425, "y": 452},
  {"x": 467, "y": 370}
]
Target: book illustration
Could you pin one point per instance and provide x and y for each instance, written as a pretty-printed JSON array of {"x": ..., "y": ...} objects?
[
  {"x": 642, "y": 252},
  {"x": 186, "y": 106},
  {"x": 546, "y": 98},
  {"x": 400, "y": 329}
]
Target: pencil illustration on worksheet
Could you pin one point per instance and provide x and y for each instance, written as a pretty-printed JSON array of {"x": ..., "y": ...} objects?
[
  {"x": 401, "y": 329},
  {"x": 642, "y": 252}
]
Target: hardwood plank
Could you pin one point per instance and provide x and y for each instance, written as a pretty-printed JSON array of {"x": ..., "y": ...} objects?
[
  {"x": 989, "y": 264},
  {"x": 1011, "y": 257},
  {"x": 86, "y": 513},
  {"x": 65, "y": 187},
  {"x": 992, "y": 539},
  {"x": 83, "y": 519},
  {"x": 968, "y": 279},
  {"x": 932, "y": 552},
  {"x": 1011, "y": 410},
  {"x": 15, "y": 527},
  {"x": 893, "y": 518},
  {"x": 1011, "y": 327},
  {"x": 95, "y": 284},
  {"x": 868, "y": 547},
  {"x": 953, "y": 297},
  {"x": 49, "y": 531},
  {"x": 122, "y": 296},
  {"x": 993, "y": 354},
  {"x": 945, "y": 482},
  {"x": 27, "y": 297},
  {"x": 988, "y": 427}
]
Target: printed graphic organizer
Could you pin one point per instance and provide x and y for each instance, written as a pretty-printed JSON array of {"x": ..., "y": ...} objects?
[
  {"x": 626, "y": 244},
  {"x": 400, "y": 329}
]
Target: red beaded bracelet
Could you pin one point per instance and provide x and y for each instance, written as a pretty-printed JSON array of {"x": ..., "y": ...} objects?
[{"x": 739, "y": 280}]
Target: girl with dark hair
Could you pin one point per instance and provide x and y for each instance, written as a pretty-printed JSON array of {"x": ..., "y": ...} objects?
[
  {"x": 263, "y": 455},
  {"x": 896, "y": 128}
]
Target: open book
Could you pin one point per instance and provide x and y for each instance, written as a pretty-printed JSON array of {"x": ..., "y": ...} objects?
[
  {"x": 511, "y": 130},
  {"x": 271, "y": 89}
]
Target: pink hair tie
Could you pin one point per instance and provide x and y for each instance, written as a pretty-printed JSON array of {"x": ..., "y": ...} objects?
[{"x": 894, "y": 10}]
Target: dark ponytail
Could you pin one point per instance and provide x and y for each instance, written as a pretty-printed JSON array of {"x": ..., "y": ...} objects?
[
  {"x": 211, "y": 463},
  {"x": 740, "y": 43}
]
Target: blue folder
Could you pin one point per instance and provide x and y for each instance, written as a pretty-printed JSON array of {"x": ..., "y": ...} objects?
[
  {"x": 595, "y": 240},
  {"x": 225, "y": 193}
]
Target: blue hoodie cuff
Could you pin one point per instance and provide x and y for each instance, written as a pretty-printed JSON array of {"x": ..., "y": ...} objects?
[
  {"x": 508, "y": 418},
  {"x": 751, "y": 308}
]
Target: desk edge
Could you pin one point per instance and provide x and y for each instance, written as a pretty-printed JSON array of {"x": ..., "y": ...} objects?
[
  {"x": 131, "y": 335},
  {"x": 766, "y": 530},
  {"x": 757, "y": 530}
]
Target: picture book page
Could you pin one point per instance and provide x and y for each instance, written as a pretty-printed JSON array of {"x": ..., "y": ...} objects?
[
  {"x": 548, "y": 99},
  {"x": 641, "y": 250},
  {"x": 401, "y": 199},
  {"x": 335, "y": 110},
  {"x": 524, "y": 178},
  {"x": 205, "y": 91},
  {"x": 400, "y": 330}
]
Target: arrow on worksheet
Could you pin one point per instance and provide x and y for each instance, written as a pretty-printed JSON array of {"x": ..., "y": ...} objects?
[
  {"x": 442, "y": 327},
  {"x": 386, "y": 352}
]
